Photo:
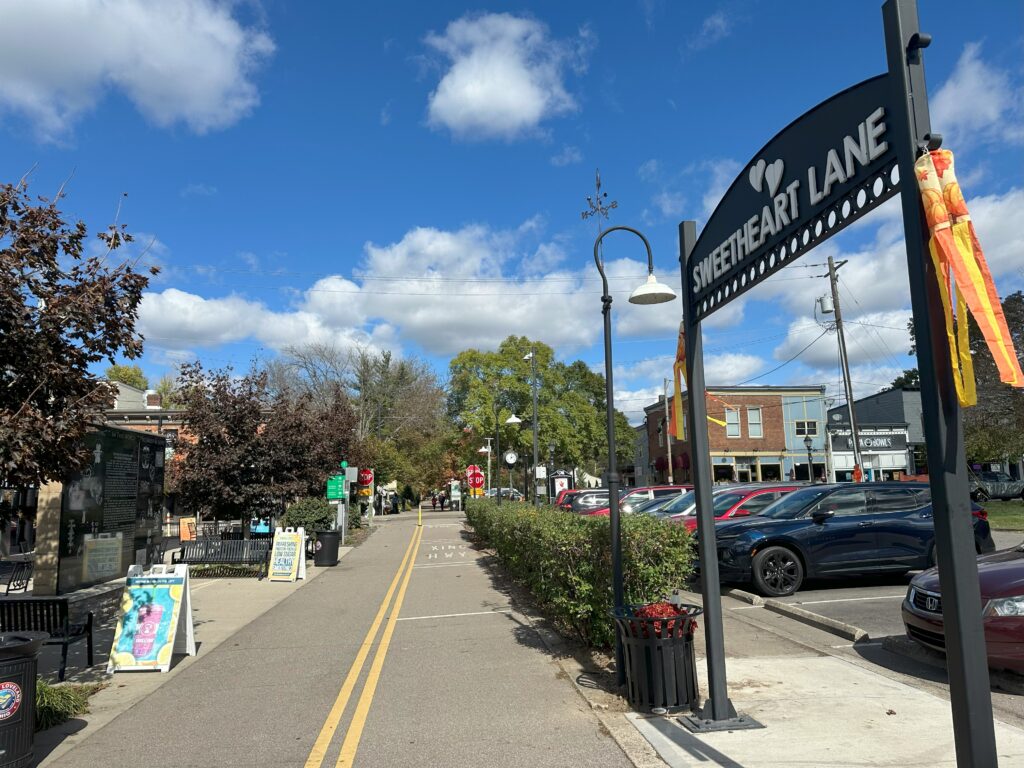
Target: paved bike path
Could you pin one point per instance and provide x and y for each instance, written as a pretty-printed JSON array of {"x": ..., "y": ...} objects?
[{"x": 472, "y": 689}]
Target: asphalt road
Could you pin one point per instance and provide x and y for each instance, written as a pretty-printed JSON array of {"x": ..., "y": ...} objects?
[{"x": 872, "y": 604}]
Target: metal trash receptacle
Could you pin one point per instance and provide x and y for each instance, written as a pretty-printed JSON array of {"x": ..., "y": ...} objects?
[
  {"x": 325, "y": 550},
  {"x": 658, "y": 657},
  {"x": 18, "y": 660}
]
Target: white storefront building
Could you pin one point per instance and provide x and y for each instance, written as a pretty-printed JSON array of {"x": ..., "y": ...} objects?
[{"x": 883, "y": 448}]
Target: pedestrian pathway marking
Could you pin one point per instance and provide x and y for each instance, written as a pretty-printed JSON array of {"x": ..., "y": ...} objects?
[
  {"x": 355, "y": 728},
  {"x": 455, "y": 615},
  {"x": 323, "y": 741},
  {"x": 445, "y": 565}
]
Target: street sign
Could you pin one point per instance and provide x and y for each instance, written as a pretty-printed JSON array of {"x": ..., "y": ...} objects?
[
  {"x": 471, "y": 469},
  {"x": 336, "y": 487},
  {"x": 475, "y": 479},
  {"x": 511, "y": 457},
  {"x": 366, "y": 477},
  {"x": 542, "y": 472}
]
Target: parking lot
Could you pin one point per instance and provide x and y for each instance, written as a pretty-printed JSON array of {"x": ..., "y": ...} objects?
[{"x": 871, "y": 604}]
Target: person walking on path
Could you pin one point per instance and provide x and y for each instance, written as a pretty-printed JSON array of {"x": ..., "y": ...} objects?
[
  {"x": 433, "y": 503},
  {"x": 444, "y": 500}
]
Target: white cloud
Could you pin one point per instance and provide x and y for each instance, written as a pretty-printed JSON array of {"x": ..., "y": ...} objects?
[
  {"x": 731, "y": 368},
  {"x": 715, "y": 27},
  {"x": 648, "y": 170},
  {"x": 568, "y": 156},
  {"x": 671, "y": 204},
  {"x": 506, "y": 76},
  {"x": 871, "y": 339},
  {"x": 186, "y": 62},
  {"x": 722, "y": 173},
  {"x": 978, "y": 103}
]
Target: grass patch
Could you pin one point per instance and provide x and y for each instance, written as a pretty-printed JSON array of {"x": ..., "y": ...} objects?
[
  {"x": 1005, "y": 515},
  {"x": 56, "y": 704}
]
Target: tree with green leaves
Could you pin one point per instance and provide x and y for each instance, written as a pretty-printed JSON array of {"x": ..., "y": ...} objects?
[
  {"x": 61, "y": 313},
  {"x": 131, "y": 375},
  {"x": 167, "y": 389},
  {"x": 485, "y": 388}
]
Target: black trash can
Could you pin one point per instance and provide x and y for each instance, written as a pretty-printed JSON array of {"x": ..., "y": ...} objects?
[
  {"x": 325, "y": 549},
  {"x": 18, "y": 652},
  {"x": 661, "y": 672}
]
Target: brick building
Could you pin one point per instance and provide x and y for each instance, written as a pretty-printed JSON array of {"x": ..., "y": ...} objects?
[{"x": 761, "y": 437}]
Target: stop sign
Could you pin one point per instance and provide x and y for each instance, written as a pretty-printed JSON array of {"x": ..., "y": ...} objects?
[
  {"x": 366, "y": 477},
  {"x": 476, "y": 479},
  {"x": 471, "y": 469}
]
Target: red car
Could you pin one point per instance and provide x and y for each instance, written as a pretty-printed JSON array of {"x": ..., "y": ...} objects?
[
  {"x": 1001, "y": 575},
  {"x": 564, "y": 500},
  {"x": 741, "y": 502},
  {"x": 637, "y": 496}
]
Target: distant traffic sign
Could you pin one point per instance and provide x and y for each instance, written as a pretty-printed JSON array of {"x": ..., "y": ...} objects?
[
  {"x": 366, "y": 477},
  {"x": 475, "y": 479}
]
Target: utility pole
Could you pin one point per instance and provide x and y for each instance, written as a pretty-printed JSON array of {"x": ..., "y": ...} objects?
[
  {"x": 533, "y": 370},
  {"x": 844, "y": 361},
  {"x": 668, "y": 436}
]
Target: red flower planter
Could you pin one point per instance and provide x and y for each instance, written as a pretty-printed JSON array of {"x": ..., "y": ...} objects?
[{"x": 657, "y": 645}]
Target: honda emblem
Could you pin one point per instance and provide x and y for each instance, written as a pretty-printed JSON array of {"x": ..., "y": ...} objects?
[{"x": 931, "y": 603}]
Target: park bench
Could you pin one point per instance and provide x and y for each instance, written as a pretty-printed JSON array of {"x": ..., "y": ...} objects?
[
  {"x": 16, "y": 575},
  {"x": 216, "y": 551},
  {"x": 50, "y": 615}
]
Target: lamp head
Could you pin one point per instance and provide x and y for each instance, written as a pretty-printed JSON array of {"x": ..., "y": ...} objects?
[
  {"x": 528, "y": 356},
  {"x": 513, "y": 419},
  {"x": 808, "y": 442},
  {"x": 652, "y": 292},
  {"x": 485, "y": 449}
]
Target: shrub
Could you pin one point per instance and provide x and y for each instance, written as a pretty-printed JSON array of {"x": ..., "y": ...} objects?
[
  {"x": 56, "y": 704},
  {"x": 311, "y": 513},
  {"x": 565, "y": 561}
]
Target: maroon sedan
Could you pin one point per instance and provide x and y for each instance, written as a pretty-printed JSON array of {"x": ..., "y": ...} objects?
[{"x": 1002, "y": 598}]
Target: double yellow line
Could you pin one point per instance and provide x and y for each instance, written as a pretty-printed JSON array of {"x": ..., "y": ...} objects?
[{"x": 355, "y": 728}]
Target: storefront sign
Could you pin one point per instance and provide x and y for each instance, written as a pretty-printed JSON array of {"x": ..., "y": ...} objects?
[
  {"x": 870, "y": 442},
  {"x": 288, "y": 556},
  {"x": 155, "y": 620},
  {"x": 817, "y": 176}
]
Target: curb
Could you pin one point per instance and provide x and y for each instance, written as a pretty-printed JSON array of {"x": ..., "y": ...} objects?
[
  {"x": 746, "y": 597},
  {"x": 840, "y": 628}
]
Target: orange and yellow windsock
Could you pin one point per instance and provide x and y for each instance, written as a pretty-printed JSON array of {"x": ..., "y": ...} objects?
[
  {"x": 676, "y": 427},
  {"x": 963, "y": 273}
]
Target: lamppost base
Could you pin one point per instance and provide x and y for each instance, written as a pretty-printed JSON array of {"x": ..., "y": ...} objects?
[{"x": 699, "y": 723}]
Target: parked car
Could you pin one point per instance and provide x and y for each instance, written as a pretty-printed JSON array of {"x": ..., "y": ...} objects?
[
  {"x": 995, "y": 485},
  {"x": 564, "y": 500},
  {"x": 589, "y": 499},
  {"x": 741, "y": 502},
  {"x": 653, "y": 506},
  {"x": 633, "y": 497},
  {"x": 835, "y": 530},
  {"x": 506, "y": 493},
  {"x": 685, "y": 505},
  {"x": 1001, "y": 576}
]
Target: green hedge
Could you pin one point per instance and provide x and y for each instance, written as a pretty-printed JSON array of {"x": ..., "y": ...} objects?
[{"x": 564, "y": 560}]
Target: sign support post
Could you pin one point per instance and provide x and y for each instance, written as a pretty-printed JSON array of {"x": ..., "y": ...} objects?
[
  {"x": 718, "y": 712},
  {"x": 966, "y": 662}
]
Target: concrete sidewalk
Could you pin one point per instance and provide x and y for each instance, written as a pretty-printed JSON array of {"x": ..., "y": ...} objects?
[
  {"x": 465, "y": 680},
  {"x": 220, "y": 608},
  {"x": 822, "y": 701}
]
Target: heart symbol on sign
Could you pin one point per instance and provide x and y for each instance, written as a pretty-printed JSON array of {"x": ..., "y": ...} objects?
[
  {"x": 774, "y": 176},
  {"x": 757, "y": 174}
]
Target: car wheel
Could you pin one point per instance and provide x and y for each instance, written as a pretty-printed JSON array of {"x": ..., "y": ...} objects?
[{"x": 777, "y": 571}]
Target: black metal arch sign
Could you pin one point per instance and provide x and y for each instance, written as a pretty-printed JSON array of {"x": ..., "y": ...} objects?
[{"x": 817, "y": 176}]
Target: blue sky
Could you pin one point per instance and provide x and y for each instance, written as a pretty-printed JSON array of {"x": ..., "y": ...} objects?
[{"x": 410, "y": 176}]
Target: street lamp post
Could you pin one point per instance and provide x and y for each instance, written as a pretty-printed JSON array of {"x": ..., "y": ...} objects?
[
  {"x": 810, "y": 460},
  {"x": 532, "y": 357},
  {"x": 651, "y": 292},
  {"x": 551, "y": 472},
  {"x": 487, "y": 449}
]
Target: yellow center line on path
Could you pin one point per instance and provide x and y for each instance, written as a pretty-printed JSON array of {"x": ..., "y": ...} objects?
[
  {"x": 323, "y": 741},
  {"x": 355, "y": 728}
]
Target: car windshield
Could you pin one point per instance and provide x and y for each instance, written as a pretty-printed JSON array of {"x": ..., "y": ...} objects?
[
  {"x": 725, "y": 500},
  {"x": 651, "y": 505},
  {"x": 792, "y": 504},
  {"x": 678, "y": 504}
]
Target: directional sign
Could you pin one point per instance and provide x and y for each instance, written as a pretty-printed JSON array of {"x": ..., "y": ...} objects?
[{"x": 336, "y": 487}]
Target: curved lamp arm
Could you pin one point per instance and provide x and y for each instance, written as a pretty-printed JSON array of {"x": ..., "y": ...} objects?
[{"x": 600, "y": 263}]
